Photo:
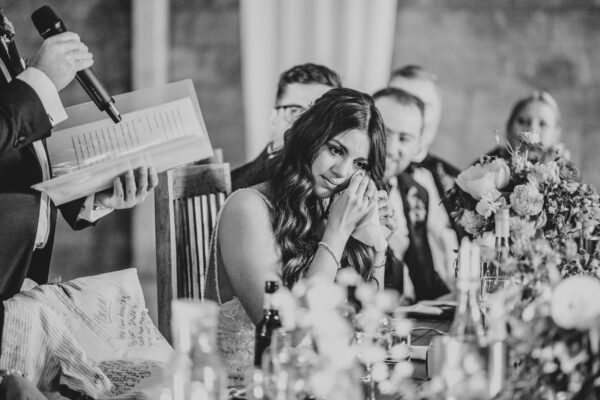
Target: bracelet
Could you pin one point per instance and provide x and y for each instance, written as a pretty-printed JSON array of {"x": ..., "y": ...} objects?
[
  {"x": 326, "y": 247},
  {"x": 382, "y": 263}
]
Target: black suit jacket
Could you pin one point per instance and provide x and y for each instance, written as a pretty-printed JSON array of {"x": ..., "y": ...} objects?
[
  {"x": 426, "y": 281},
  {"x": 256, "y": 171},
  {"x": 444, "y": 174},
  {"x": 23, "y": 120}
]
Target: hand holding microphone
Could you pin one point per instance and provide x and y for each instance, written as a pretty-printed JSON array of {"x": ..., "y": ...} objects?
[
  {"x": 50, "y": 26},
  {"x": 61, "y": 57}
]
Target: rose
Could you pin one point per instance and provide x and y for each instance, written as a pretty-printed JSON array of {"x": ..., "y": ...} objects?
[
  {"x": 480, "y": 179},
  {"x": 488, "y": 204},
  {"x": 472, "y": 222},
  {"x": 575, "y": 302},
  {"x": 568, "y": 171},
  {"x": 526, "y": 200},
  {"x": 546, "y": 172}
]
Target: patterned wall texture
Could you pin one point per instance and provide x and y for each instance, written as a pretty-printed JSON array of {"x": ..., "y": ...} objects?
[{"x": 488, "y": 54}]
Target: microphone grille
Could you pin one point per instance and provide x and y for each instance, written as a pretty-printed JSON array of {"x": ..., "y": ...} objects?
[{"x": 44, "y": 18}]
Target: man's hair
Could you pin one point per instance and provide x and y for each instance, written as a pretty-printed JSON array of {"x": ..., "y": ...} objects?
[
  {"x": 306, "y": 74},
  {"x": 402, "y": 97},
  {"x": 413, "y": 71}
]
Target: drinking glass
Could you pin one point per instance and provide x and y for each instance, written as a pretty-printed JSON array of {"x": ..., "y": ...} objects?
[{"x": 275, "y": 359}]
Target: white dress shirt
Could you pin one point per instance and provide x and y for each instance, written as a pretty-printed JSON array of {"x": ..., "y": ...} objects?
[{"x": 442, "y": 238}]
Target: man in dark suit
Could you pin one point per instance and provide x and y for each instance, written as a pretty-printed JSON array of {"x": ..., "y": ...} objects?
[
  {"x": 403, "y": 120},
  {"x": 29, "y": 108},
  {"x": 297, "y": 89},
  {"x": 433, "y": 173}
]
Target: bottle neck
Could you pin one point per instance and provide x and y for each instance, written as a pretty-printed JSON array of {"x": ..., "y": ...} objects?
[
  {"x": 501, "y": 246},
  {"x": 268, "y": 302},
  {"x": 502, "y": 228}
]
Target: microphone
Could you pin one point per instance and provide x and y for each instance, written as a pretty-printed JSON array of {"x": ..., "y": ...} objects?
[{"x": 48, "y": 24}]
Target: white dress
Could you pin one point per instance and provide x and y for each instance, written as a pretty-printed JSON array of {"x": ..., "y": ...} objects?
[{"x": 235, "y": 330}]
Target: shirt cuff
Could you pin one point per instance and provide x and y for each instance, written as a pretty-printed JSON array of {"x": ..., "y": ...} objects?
[
  {"x": 46, "y": 91},
  {"x": 92, "y": 212}
]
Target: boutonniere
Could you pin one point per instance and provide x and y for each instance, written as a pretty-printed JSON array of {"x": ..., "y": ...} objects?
[
  {"x": 417, "y": 210},
  {"x": 446, "y": 180}
]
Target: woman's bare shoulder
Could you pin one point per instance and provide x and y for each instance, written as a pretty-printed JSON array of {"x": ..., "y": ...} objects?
[{"x": 247, "y": 206}]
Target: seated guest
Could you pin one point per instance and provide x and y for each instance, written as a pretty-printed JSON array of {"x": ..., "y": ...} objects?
[
  {"x": 402, "y": 115},
  {"x": 433, "y": 173},
  {"x": 300, "y": 223},
  {"x": 537, "y": 113},
  {"x": 297, "y": 89}
]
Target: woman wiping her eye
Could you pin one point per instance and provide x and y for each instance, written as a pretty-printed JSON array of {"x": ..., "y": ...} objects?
[{"x": 293, "y": 226}]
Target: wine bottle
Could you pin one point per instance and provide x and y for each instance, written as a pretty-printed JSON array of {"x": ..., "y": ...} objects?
[
  {"x": 352, "y": 306},
  {"x": 269, "y": 322},
  {"x": 501, "y": 246}
]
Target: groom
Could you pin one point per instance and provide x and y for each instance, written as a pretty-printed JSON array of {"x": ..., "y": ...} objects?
[{"x": 403, "y": 120}]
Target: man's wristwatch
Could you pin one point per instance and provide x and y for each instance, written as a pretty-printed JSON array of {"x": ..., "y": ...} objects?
[{"x": 9, "y": 372}]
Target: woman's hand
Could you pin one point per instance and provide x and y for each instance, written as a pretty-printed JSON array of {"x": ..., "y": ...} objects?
[
  {"x": 349, "y": 207},
  {"x": 387, "y": 214}
]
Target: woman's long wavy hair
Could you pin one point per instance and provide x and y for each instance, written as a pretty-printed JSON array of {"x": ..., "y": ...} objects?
[{"x": 297, "y": 210}]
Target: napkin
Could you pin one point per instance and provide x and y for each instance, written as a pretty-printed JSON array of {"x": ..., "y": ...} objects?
[
  {"x": 371, "y": 232},
  {"x": 421, "y": 309},
  {"x": 439, "y": 303}
]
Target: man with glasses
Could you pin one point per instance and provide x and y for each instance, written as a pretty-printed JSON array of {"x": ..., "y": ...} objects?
[
  {"x": 297, "y": 90},
  {"x": 433, "y": 173}
]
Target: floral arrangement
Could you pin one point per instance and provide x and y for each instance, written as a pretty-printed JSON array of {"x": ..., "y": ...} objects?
[
  {"x": 545, "y": 198},
  {"x": 552, "y": 309}
]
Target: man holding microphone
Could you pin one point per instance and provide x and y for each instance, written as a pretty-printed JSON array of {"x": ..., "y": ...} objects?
[{"x": 29, "y": 107}]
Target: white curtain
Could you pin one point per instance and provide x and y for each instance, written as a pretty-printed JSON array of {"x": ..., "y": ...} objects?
[{"x": 353, "y": 37}]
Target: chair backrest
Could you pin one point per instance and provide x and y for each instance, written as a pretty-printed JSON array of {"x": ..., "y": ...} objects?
[{"x": 187, "y": 202}]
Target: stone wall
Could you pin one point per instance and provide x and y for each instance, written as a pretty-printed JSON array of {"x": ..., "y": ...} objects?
[{"x": 487, "y": 54}]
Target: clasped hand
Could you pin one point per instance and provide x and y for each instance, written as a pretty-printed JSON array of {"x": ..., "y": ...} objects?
[
  {"x": 349, "y": 207},
  {"x": 129, "y": 188}
]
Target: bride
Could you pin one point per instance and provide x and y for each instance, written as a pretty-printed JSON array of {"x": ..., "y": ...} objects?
[{"x": 276, "y": 230}]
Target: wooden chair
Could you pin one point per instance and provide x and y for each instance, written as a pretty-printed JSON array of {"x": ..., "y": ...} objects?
[{"x": 187, "y": 201}]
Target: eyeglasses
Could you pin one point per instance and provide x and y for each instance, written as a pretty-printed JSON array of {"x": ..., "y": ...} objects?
[{"x": 291, "y": 111}]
